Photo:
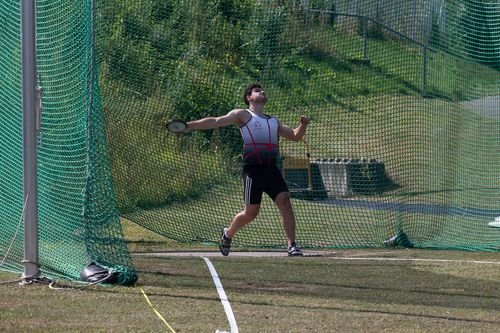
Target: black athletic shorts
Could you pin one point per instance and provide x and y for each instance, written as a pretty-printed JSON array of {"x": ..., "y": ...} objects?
[{"x": 258, "y": 179}]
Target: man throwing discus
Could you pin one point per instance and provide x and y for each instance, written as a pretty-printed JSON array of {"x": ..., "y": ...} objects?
[{"x": 260, "y": 134}]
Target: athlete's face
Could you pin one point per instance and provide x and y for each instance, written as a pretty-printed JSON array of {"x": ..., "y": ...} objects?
[{"x": 258, "y": 96}]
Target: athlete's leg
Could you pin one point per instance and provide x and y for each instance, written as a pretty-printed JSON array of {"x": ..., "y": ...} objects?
[
  {"x": 253, "y": 184},
  {"x": 284, "y": 204},
  {"x": 242, "y": 219}
]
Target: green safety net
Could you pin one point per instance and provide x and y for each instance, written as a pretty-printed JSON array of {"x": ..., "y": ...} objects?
[
  {"x": 404, "y": 100},
  {"x": 404, "y": 140},
  {"x": 78, "y": 218}
]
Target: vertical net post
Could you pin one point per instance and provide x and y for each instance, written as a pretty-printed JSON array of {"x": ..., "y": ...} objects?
[
  {"x": 30, "y": 209},
  {"x": 424, "y": 71},
  {"x": 365, "y": 38}
]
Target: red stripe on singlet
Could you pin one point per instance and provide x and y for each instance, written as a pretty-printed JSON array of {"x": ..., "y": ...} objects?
[
  {"x": 255, "y": 152},
  {"x": 268, "y": 148}
]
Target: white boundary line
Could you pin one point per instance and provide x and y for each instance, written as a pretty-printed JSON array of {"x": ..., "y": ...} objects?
[
  {"x": 422, "y": 259},
  {"x": 319, "y": 255},
  {"x": 223, "y": 297}
]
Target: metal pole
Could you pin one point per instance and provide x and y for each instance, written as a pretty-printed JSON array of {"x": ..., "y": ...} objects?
[
  {"x": 365, "y": 38},
  {"x": 30, "y": 212},
  {"x": 424, "y": 70}
]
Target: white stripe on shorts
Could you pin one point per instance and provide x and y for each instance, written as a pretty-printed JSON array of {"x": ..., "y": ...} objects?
[{"x": 248, "y": 190}]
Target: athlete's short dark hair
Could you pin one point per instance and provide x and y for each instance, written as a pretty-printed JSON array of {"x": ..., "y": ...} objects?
[{"x": 248, "y": 91}]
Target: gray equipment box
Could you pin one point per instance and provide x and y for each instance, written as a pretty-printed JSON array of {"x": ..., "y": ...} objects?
[{"x": 344, "y": 177}]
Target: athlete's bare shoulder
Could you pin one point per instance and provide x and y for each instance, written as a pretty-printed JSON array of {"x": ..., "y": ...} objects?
[{"x": 242, "y": 115}]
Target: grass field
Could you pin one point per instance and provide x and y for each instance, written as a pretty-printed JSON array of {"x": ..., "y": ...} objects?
[{"x": 363, "y": 290}]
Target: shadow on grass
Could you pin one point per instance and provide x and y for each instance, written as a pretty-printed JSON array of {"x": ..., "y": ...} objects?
[{"x": 305, "y": 306}]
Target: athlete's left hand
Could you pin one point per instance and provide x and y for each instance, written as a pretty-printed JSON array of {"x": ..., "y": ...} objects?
[{"x": 305, "y": 120}]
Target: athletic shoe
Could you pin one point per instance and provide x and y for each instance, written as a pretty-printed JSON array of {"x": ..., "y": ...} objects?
[
  {"x": 224, "y": 243},
  {"x": 294, "y": 250},
  {"x": 391, "y": 242}
]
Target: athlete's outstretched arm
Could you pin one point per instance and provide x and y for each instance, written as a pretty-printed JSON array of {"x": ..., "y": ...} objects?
[
  {"x": 294, "y": 134},
  {"x": 234, "y": 117}
]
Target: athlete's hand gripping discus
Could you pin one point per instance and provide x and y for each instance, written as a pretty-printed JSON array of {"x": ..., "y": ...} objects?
[{"x": 177, "y": 126}]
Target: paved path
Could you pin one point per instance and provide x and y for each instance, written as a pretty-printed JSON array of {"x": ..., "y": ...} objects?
[
  {"x": 414, "y": 208},
  {"x": 232, "y": 254},
  {"x": 487, "y": 106}
]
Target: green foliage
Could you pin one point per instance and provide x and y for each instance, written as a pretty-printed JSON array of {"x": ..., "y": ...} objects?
[
  {"x": 161, "y": 10},
  {"x": 235, "y": 11},
  {"x": 192, "y": 59}
]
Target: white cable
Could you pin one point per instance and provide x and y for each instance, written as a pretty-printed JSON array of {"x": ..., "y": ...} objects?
[
  {"x": 17, "y": 231},
  {"x": 223, "y": 298},
  {"x": 53, "y": 283}
]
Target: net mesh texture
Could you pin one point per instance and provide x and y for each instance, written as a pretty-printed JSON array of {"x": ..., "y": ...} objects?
[
  {"x": 78, "y": 218},
  {"x": 403, "y": 95}
]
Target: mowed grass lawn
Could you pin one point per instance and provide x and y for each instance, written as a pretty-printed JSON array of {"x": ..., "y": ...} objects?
[{"x": 361, "y": 290}]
